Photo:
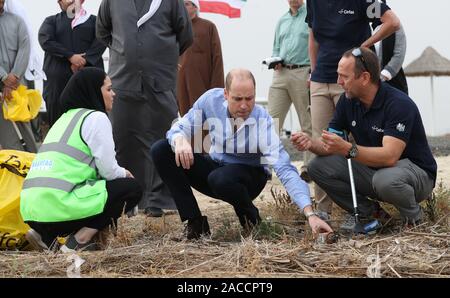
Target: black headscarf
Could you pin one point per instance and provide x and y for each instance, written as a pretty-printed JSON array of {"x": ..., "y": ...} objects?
[{"x": 83, "y": 91}]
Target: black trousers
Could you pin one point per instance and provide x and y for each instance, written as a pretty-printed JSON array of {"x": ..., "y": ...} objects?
[
  {"x": 123, "y": 194},
  {"x": 236, "y": 184}
]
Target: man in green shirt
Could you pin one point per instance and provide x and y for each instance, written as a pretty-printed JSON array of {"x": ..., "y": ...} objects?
[{"x": 290, "y": 79}]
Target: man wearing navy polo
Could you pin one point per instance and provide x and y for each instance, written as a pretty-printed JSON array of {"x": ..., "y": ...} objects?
[
  {"x": 392, "y": 161},
  {"x": 335, "y": 27}
]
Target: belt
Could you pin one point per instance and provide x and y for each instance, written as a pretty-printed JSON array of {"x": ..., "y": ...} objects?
[{"x": 294, "y": 66}]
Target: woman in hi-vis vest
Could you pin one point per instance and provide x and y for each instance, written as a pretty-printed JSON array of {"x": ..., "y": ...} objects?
[{"x": 75, "y": 186}]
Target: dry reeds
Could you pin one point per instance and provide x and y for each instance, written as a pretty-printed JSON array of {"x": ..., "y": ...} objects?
[
  {"x": 147, "y": 247},
  {"x": 282, "y": 246}
]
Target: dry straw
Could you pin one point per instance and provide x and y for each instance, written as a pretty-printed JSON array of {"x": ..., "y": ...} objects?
[{"x": 147, "y": 247}]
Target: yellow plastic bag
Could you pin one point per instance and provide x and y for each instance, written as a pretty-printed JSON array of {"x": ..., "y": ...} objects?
[
  {"x": 23, "y": 106},
  {"x": 14, "y": 166}
]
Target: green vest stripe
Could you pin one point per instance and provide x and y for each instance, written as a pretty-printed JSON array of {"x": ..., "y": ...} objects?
[
  {"x": 70, "y": 151},
  {"x": 69, "y": 130},
  {"x": 49, "y": 183}
]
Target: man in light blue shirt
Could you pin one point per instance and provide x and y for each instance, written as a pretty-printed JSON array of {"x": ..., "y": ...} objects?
[
  {"x": 290, "y": 78},
  {"x": 244, "y": 145}
]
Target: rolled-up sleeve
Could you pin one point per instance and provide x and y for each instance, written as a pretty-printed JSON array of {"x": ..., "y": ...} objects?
[{"x": 276, "y": 156}]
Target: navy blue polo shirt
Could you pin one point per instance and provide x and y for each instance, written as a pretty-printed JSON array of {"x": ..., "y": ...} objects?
[
  {"x": 338, "y": 25},
  {"x": 393, "y": 114}
]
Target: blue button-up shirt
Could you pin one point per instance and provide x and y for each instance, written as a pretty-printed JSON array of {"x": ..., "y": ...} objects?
[{"x": 254, "y": 143}]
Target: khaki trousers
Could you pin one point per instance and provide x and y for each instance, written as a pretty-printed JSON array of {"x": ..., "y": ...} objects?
[
  {"x": 291, "y": 87},
  {"x": 324, "y": 98}
]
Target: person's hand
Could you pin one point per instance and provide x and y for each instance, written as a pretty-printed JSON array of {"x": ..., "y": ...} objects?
[
  {"x": 332, "y": 143},
  {"x": 318, "y": 225},
  {"x": 12, "y": 81},
  {"x": 75, "y": 68},
  {"x": 179, "y": 66},
  {"x": 183, "y": 153},
  {"x": 365, "y": 45},
  {"x": 78, "y": 60},
  {"x": 384, "y": 78},
  {"x": 6, "y": 93},
  {"x": 128, "y": 174},
  {"x": 301, "y": 141},
  {"x": 278, "y": 67}
]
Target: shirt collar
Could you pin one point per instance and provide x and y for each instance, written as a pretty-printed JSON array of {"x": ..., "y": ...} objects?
[
  {"x": 299, "y": 11},
  {"x": 379, "y": 99}
]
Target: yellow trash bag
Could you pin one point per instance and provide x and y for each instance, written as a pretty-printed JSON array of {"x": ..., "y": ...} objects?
[
  {"x": 14, "y": 166},
  {"x": 23, "y": 106}
]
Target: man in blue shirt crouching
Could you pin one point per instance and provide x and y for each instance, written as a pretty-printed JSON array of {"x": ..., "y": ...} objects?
[{"x": 244, "y": 145}]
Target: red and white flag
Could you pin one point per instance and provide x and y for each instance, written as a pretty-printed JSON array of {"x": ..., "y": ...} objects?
[{"x": 230, "y": 8}]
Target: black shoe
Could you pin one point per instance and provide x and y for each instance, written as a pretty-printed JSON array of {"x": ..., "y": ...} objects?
[
  {"x": 249, "y": 222},
  {"x": 305, "y": 176},
  {"x": 133, "y": 212},
  {"x": 197, "y": 227},
  {"x": 153, "y": 212},
  {"x": 72, "y": 244},
  {"x": 35, "y": 240},
  {"x": 412, "y": 223}
]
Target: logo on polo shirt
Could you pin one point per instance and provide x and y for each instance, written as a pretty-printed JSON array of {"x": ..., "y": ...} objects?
[
  {"x": 377, "y": 129},
  {"x": 353, "y": 123},
  {"x": 346, "y": 11},
  {"x": 401, "y": 127}
]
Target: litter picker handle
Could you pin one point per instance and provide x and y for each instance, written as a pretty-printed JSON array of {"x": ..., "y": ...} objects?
[{"x": 352, "y": 186}]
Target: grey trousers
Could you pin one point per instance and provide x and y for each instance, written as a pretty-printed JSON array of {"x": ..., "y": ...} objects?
[
  {"x": 139, "y": 120},
  {"x": 403, "y": 186}
]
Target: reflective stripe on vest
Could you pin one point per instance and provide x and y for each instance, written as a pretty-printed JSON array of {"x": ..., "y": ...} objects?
[
  {"x": 69, "y": 130},
  {"x": 62, "y": 147},
  {"x": 48, "y": 182},
  {"x": 69, "y": 151}
]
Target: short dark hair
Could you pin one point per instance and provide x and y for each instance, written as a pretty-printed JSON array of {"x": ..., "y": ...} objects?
[
  {"x": 242, "y": 74},
  {"x": 368, "y": 62}
]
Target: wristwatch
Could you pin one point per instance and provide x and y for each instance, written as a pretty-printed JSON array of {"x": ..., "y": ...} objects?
[
  {"x": 310, "y": 213},
  {"x": 353, "y": 152}
]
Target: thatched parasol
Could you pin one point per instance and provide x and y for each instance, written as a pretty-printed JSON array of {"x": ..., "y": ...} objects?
[{"x": 429, "y": 64}]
